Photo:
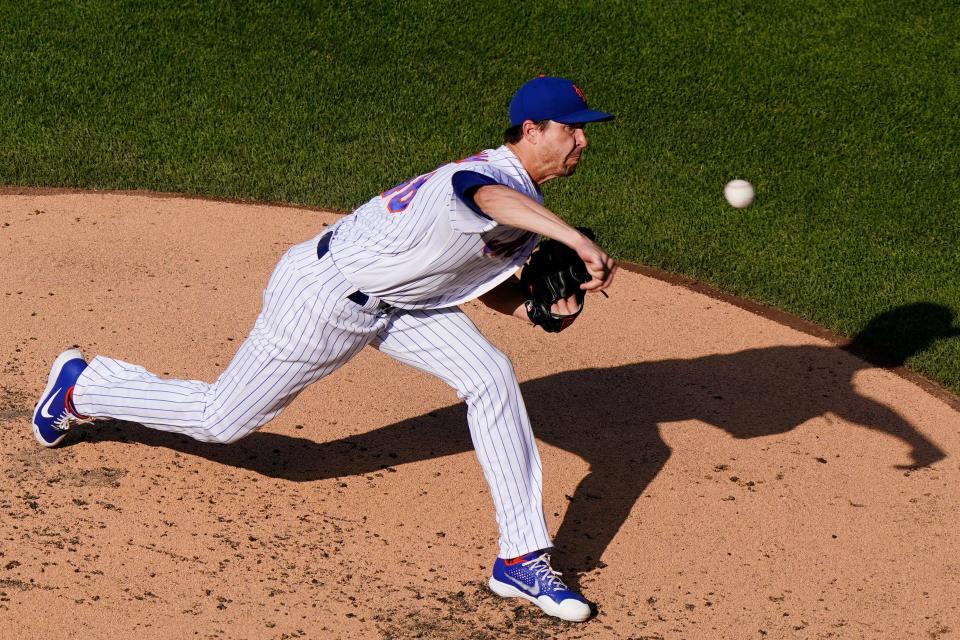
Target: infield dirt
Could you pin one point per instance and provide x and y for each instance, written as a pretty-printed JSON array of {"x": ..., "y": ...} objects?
[{"x": 709, "y": 472}]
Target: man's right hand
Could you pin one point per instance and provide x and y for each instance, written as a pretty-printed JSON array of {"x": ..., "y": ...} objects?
[{"x": 600, "y": 266}]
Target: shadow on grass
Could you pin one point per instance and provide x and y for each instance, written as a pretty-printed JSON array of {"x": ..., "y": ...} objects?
[{"x": 610, "y": 417}]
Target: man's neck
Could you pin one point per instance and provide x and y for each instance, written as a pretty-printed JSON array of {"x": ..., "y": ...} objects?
[{"x": 528, "y": 160}]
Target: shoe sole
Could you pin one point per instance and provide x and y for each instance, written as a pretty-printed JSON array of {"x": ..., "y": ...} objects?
[
  {"x": 548, "y": 606},
  {"x": 55, "y": 370}
]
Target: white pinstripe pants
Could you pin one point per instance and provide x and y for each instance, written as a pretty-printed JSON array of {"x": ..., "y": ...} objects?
[{"x": 306, "y": 330}]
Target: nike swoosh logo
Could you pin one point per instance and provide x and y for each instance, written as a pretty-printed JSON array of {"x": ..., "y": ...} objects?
[
  {"x": 534, "y": 590},
  {"x": 44, "y": 411}
]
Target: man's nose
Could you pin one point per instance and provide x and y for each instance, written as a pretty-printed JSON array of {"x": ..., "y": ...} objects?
[{"x": 582, "y": 138}]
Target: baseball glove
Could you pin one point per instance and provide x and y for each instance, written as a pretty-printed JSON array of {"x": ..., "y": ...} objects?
[{"x": 554, "y": 272}]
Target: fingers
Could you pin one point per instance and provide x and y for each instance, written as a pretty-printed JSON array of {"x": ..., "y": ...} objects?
[
  {"x": 565, "y": 306},
  {"x": 600, "y": 266},
  {"x": 602, "y": 277}
]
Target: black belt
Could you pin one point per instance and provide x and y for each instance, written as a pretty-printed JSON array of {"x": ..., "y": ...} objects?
[{"x": 358, "y": 297}]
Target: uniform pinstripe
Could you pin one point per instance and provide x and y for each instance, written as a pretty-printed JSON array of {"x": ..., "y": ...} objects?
[
  {"x": 447, "y": 344},
  {"x": 423, "y": 260},
  {"x": 306, "y": 330},
  {"x": 436, "y": 252}
]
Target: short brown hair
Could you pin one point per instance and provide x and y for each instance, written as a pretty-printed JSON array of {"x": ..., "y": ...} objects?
[{"x": 514, "y": 134}]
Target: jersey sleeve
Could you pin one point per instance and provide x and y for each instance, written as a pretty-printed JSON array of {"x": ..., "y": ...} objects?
[{"x": 465, "y": 215}]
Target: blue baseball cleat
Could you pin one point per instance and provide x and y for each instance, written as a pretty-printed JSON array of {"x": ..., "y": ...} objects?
[
  {"x": 54, "y": 413},
  {"x": 531, "y": 577}
]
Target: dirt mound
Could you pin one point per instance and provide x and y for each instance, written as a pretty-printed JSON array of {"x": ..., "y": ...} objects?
[{"x": 709, "y": 473}]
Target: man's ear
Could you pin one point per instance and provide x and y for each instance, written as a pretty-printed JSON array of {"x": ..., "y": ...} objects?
[{"x": 531, "y": 131}]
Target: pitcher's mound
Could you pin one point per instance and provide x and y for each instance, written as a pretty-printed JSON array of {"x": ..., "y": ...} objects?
[{"x": 709, "y": 473}]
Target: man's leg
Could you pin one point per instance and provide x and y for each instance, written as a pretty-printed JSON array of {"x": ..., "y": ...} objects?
[
  {"x": 306, "y": 330},
  {"x": 447, "y": 344}
]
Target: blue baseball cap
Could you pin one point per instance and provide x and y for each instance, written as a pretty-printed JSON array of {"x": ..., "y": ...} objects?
[{"x": 548, "y": 98}]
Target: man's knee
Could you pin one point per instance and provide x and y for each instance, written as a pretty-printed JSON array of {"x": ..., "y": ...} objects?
[
  {"x": 494, "y": 374},
  {"x": 221, "y": 431},
  {"x": 229, "y": 436}
]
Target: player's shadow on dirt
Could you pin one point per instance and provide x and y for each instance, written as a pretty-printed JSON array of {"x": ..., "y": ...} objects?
[{"x": 610, "y": 417}]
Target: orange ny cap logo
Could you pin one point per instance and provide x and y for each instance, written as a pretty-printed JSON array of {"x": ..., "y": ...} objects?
[{"x": 580, "y": 93}]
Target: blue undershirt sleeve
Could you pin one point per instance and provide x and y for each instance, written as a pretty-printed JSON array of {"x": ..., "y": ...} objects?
[{"x": 466, "y": 183}]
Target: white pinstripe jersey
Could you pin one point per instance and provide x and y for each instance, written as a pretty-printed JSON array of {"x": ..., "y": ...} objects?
[{"x": 418, "y": 246}]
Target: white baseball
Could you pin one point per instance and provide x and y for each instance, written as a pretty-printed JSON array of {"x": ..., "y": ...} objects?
[{"x": 739, "y": 193}]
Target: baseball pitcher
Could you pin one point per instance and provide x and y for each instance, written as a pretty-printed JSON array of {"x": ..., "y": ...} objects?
[{"x": 391, "y": 275}]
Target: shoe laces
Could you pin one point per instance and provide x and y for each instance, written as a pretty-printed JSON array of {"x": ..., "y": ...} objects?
[
  {"x": 542, "y": 569},
  {"x": 68, "y": 417},
  {"x": 66, "y": 420}
]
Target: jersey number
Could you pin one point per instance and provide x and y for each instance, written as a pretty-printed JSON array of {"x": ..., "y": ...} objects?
[{"x": 401, "y": 195}]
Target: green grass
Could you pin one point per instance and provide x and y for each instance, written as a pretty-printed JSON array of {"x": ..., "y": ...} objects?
[{"x": 843, "y": 115}]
